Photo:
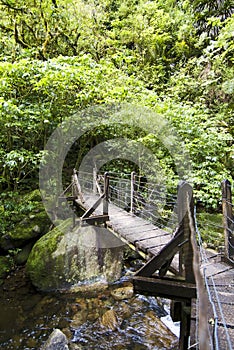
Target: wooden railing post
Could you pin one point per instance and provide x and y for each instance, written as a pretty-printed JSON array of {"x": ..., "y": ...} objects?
[
  {"x": 133, "y": 186},
  {"x": 106, "y": 193},
  {"x": 186, "y": 255},
  {"x": 76, "y": 186},
  {"x": 227, "y": 219},
  {"x": 185, "y": 203}
]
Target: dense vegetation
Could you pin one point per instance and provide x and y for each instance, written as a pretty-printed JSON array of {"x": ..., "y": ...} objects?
[{"x": 61, "y": 56}]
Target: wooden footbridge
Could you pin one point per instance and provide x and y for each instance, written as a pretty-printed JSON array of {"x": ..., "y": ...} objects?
[{"x": 163, "y": 230}]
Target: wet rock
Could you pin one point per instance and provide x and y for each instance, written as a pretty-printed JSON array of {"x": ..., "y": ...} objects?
[
  {"x": 109, "y": 320},
  {"x": 91, "y": 289},
  {"x": 31, "y": 343},
  {"x": 86, "y": 309},
  {"x": 22, "y": 256},
  {"x": 75, "y": 347},
  {"x": 67, "y": 332},
  {"x": 56, "y": 341},
  {"x": 122, "y": 293},
  {"x": 79, "y": 318},
  {"x": 157, "y": 333},
  {"x": 64, "y": 257},
  {"x": 124, "y": 310}
]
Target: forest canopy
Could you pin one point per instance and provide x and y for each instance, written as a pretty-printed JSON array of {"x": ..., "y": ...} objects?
[{"x": 174, "y": 57}]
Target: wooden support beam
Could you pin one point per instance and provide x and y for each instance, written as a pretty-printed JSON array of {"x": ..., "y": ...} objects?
[
  {"x": 163, "y": 287},
  {"x": 163, "y": 259},
  {"x": 185, "y": 325},
  {"x": 99, "y": 219},
  {"x": 93, "y": 208}
]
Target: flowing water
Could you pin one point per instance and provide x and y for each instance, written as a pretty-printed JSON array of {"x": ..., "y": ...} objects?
[{"x": 97, "y": 317}]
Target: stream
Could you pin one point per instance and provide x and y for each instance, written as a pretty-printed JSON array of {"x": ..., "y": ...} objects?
[{"x": 97, "y": 317}]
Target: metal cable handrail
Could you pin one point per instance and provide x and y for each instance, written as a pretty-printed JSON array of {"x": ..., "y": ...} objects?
[
  {"x": 147, "y": 200},
  {"x": 206, "y": 278}
]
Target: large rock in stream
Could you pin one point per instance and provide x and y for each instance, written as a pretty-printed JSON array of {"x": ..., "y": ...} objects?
[{"x": 65, "y": 257}]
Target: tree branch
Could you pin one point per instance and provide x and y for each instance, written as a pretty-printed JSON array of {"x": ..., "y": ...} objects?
[{"x": 18, "y": 39}]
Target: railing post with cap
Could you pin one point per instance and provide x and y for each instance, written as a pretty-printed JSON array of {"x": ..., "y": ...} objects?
[{"x": 106, "y": 192}]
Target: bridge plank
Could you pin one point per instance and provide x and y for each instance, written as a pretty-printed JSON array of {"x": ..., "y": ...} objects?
[
  {"x": 144, "y": 235},
  {"x": 156, "y": 242}
]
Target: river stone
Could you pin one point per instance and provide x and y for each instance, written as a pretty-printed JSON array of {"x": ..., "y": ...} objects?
[
  {"x": 122, "y": 293},
  {"x": 109, "y": 320},
  {"x": 65, "y": 257},
  {"x": 56, "y": 341},
  {"x": 157, "y": 333}
]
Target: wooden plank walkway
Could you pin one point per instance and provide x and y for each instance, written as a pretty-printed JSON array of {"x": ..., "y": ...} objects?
[{"x": 141, "y": 235}]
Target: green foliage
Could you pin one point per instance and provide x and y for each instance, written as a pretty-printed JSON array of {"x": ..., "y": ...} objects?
[
  {"x": 211, "y": 229},
  {"x": 141, "y": 37},
  {"x": 36, "y": 96},
  {"x": 14, "y": 208},
  {"x": 210, "y": 13},
  {"x": 176, "y": 57}
]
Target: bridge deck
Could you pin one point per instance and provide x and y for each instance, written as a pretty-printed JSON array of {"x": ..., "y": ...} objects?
[
  {"x": 142, "y": 235},
  {"x": 148, "y": 240}
]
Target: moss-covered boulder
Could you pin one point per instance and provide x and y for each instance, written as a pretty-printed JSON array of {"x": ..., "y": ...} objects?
[
  {"x": 33, "y": 226},
  {"x": 30, "y": 222},
  {"x": 65, "y": 257}
]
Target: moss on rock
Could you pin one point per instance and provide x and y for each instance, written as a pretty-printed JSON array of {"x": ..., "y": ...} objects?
[
  {"x": 32, "y": 226},
  {"x": 46, "y": 272},
  {"x": 64, "y": 257}
]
